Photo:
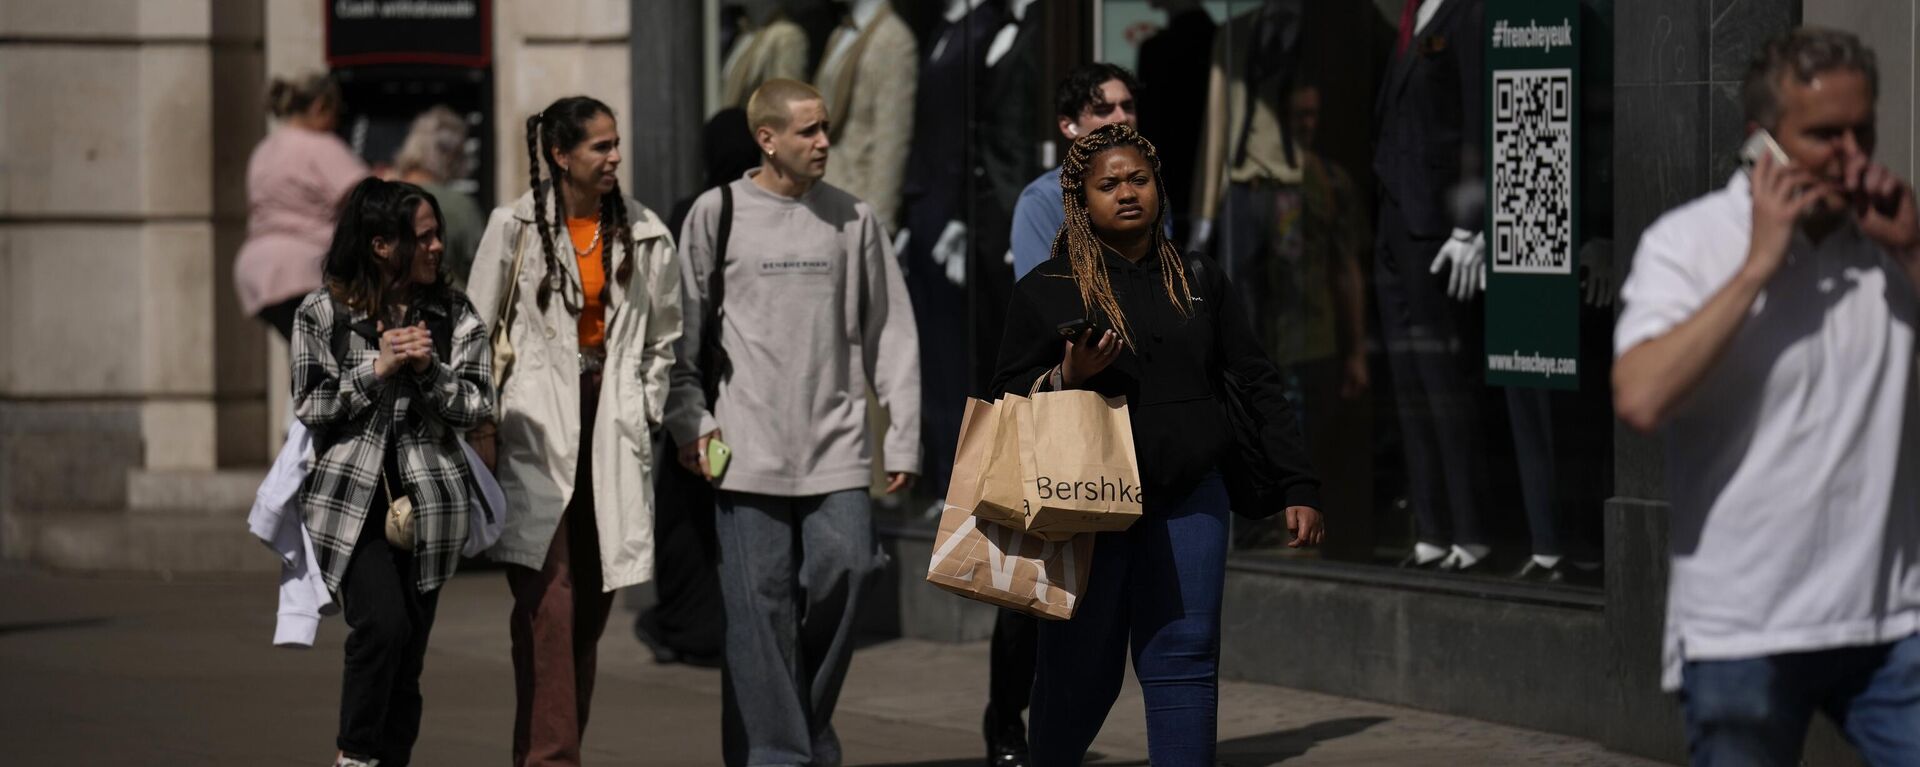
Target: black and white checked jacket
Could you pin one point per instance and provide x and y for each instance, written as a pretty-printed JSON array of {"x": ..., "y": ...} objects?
[{"x": 350, "y": 412}]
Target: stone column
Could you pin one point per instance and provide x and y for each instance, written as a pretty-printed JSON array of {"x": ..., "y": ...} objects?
[
  {"x": 106, "y": 247},
  {"x": 669, "y": 87}
]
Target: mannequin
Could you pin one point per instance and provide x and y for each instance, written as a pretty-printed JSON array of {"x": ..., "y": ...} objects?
[
  {"x": 778, "y": 48},
  {"x": 1431, "y": 117},
  {"x": 1006, "y": 140},
  {"x": 934, "y": 243},
  {"x": 1558, "y": 554},
  {"x": 869, "y": 77},
  {"x": 1460, "y": 266}
]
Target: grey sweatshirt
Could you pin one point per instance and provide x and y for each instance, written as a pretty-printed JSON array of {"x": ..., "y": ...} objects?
[{"x": 815, "y": 313}]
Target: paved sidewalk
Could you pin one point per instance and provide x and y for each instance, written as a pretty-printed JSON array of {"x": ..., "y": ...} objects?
[{"x": 104, "y": 672}]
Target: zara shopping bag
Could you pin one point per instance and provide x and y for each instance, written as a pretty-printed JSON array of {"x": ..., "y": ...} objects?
[{"x": 997, "y": 565}]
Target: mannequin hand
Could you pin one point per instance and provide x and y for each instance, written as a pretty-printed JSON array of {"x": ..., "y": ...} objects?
[
  {"x": 1201, "y": 235},
  {"x": 951, "y": 251},
  {"x": 1464, "y": 253},
  {"x": 1596, "y": 273}
]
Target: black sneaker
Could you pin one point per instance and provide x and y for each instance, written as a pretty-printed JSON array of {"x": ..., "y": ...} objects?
[
  {"x": 646, "y": 628},
  {"x": 1006, "y": 745},
  {"x": 1565, "y": 571}
]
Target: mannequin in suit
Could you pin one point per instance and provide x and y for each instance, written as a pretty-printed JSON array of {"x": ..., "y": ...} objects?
[
  {"x": 868, "y": 77},
  {"x": 1007, "y": 136},
  {"x": 1427, "y": 255},
  {"x": 777, "y": 48},
  {"x": 935, "y": 199}
]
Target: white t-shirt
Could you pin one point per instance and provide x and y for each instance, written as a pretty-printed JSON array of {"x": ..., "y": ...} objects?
[{"x": 1794, "y": 468}]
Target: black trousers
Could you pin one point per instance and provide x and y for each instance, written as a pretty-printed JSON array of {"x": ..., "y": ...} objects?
[
  {"x": 689, "y": 616},
  {"x": 940, "y": 316},
  {"x": 389, "y": 620},
  {"x": 1433, "y": 348},
  {"x": 1016, "y": 642}
]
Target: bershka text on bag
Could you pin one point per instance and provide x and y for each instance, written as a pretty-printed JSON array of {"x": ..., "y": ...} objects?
[{"x": 1098, "y": 489}]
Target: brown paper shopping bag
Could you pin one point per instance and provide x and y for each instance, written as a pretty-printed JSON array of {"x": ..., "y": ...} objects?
[
  {"x": 1078, "y": 469},
  {"x": 995, "y": 564},
  {"x": 1003, "y": 486},
  {"x": 986, "y": 469},
  {"x": 977, "y": 425}
]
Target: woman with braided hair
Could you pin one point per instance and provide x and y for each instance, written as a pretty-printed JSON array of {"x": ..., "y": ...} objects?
[
  {"x": 583, "y": 282},
  {"x": 1167, "y": 336}
]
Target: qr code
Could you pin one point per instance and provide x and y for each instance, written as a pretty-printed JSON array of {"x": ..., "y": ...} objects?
[{"x": 1532, "y": 193}]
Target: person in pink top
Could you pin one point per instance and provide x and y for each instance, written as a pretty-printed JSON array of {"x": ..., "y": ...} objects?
[{"x": 295, "y": 181}]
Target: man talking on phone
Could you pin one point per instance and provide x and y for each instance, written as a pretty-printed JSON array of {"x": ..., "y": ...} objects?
[
  {"x": 797, "y": 306},
  {"x": 1768, "y": 336}
]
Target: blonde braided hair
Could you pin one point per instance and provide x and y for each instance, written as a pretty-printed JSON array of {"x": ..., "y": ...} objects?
[{"x": 1077, "y": 243}]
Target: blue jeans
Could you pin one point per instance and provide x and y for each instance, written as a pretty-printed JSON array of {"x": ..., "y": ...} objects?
[
  {"x": 1157, "y": 584},
  {"x": 1756, "y": 711}
]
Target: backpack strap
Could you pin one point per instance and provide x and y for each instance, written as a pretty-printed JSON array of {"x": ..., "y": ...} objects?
[
  {"x": 714, "y": 365},
  {"x": 717, "y": 278}
]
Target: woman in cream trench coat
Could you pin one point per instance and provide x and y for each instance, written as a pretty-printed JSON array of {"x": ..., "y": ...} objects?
[{"x": 539, "y": 406}]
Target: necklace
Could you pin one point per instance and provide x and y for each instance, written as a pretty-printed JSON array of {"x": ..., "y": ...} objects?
[
  {"x": 577, "y": 251},
  {"x": 554, "y": 282}
]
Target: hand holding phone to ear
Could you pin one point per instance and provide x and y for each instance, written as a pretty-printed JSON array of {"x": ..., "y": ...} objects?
[{"x": 1782, "y": 194}]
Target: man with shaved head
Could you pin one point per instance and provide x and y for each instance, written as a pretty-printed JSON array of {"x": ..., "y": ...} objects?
[{"x": 794, "y": 307}]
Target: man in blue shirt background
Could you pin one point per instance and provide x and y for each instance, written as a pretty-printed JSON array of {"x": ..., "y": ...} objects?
[{"x": 1092, "y": 95}]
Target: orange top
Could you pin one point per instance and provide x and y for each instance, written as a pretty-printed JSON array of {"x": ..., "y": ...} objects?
[{"x": 593, "y": 277}]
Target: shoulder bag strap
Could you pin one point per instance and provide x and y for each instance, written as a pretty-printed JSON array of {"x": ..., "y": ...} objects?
[{"x": 502, "y": 318}]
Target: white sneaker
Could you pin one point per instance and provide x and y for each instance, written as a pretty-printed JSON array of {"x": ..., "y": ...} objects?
[{"x": 347, "y": 761}]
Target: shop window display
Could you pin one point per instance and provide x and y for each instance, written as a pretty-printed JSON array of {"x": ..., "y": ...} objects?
[{"x": 1330, "y": 156}]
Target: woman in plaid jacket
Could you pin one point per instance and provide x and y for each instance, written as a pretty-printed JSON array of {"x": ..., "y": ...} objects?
[{"x": 389, "y": 367}]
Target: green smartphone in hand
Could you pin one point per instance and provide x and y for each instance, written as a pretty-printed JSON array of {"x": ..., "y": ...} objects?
[{"x": 717, "y": 456}]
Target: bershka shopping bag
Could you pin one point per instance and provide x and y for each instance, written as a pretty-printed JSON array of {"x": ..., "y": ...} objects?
[
  {"x": 1078, "y": 469},
  {"x": 997, "y": 565}
]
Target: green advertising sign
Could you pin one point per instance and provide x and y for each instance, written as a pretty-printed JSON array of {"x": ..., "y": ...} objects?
[{"x": 1533, "y": 186}]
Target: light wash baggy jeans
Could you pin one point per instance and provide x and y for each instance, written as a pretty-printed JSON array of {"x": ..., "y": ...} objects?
[{"x": 792, "y": 571}]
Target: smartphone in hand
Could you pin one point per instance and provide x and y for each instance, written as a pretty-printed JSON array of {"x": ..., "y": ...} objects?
[
  {"x": 1761, "y": 143},
  {"x": 717, "y": 456},
  {"x": 1074, "y": 330}
]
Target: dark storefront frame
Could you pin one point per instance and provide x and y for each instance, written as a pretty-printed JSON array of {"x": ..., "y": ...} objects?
[{"x": 1582, "y": 662}]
